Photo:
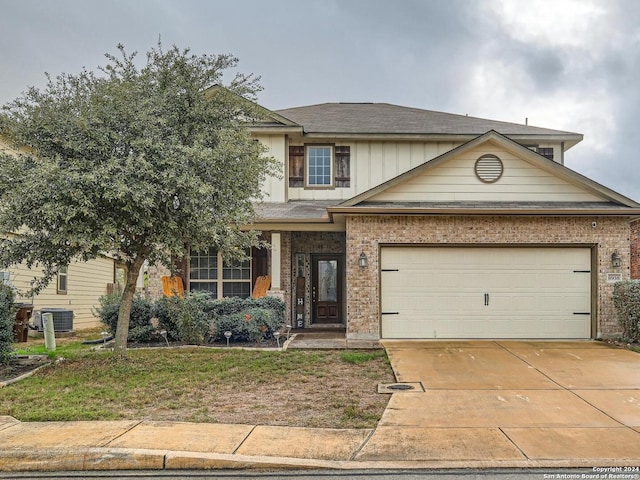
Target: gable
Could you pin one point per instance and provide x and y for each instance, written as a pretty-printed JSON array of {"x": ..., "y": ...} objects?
[
  {"x": 526, "y": 177},
  {"x": 456, "y": 180}
]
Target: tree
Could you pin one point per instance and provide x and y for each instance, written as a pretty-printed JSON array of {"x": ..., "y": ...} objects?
[{"x": 141, "y": 162}]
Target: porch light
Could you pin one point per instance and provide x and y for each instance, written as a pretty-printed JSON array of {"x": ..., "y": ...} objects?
[
  {"x": 363, "y": 261},
  {"x": 615, "y": 260}
]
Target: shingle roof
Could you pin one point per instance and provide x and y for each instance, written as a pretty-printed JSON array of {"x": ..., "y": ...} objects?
[
  {"x": 294, "y": 210},
  {"x": 385, "y": 118}
]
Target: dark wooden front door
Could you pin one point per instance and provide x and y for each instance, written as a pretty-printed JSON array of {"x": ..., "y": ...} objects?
[{"x": 326, "y": 290}]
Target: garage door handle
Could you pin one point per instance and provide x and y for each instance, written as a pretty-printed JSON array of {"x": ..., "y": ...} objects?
[
  {"x": 486, "y": 299},
  {"x": 582, "y": 313},
  {"x": 390, "y": 313}
]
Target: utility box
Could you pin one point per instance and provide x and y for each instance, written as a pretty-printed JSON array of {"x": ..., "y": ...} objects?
[
  {"x": 62, "y": 319},
  {"x": 21, "y": 325}
]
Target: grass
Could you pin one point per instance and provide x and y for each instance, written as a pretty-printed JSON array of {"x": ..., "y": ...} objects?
[{"x": 333, "y": 389}]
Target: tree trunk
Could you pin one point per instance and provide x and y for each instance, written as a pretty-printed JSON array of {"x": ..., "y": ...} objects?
[{"x": 124, "y": 313}]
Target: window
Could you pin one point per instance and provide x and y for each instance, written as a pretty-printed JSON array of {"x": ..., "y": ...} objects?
[
  {"x": 208, "y": 272},
  {"x": 328, "y": 171},
  {"x": 546, "y": 152},
  {"x": 319, "y": 166},
  {"x": 62, "y": 280}
]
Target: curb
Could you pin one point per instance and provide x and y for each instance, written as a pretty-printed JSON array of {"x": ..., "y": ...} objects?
[{"x": 109, "y": 459}]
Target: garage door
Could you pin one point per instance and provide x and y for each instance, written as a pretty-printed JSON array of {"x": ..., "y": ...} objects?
[{"x": 451, "y": 292}]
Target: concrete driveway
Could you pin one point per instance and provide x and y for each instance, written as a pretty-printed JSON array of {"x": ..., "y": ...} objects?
[{"x": 505, "y": 402}]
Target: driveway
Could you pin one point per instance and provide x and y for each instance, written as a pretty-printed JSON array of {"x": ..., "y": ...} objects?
[{"x": 506, "y": 402}]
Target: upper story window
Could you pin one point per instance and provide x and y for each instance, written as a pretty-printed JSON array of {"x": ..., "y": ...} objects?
[
  {"x": 62, "y": 280},
  {"x": 546, "y": 152},
  {"x": 319, "y": 166}
]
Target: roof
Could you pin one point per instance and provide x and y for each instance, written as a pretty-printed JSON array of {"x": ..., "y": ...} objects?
[
  {"x": 385, "y": 118},
  {"x": 295, "y": 210}
]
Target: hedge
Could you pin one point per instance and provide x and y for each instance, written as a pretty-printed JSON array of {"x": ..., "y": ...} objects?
[{"x": 626, "y": 299}]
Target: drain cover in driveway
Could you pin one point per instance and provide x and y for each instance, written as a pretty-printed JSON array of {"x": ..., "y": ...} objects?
[{"x": 400, "y": 387}]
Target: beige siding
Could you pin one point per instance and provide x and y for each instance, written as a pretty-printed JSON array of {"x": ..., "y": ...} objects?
[
  {"x": 455, "y": 180},
  {"x": 274, "y": 188},
  {"x": 87, "y": 281},
  {"x": 373, "y": 163}
]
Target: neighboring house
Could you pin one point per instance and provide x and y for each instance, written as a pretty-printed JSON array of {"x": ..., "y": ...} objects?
[
  {"x": 395, "y": 222},
  {"x": 76, "y": 288}
]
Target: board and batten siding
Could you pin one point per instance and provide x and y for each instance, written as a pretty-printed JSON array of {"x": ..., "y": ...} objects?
[
  {"x": 274, "y": 188},
  {"x": 371, "y": 163},
  {"x": 455, "y": 180},
  {"x": 86, "y": 282}
]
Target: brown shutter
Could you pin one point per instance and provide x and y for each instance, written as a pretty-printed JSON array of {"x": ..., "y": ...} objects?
[
  {"x": 343, "y": 159},
  {"x": 296, "y": 166}
]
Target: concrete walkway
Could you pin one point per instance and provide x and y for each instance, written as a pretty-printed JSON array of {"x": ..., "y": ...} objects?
[{"x": 475, "y": 405}]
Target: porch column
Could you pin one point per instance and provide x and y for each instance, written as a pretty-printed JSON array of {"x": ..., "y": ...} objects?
[{"x": 275, "y": 260}]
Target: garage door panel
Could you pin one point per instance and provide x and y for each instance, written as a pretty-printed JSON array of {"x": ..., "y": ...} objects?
[{"x": 440, "y": 292}]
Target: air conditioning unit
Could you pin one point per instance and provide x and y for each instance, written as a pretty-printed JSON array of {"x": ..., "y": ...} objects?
[{"x": 62, "y": 319}]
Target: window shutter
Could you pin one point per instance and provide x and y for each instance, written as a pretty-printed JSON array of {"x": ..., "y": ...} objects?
[
  {"x": 343, "y": 160},
  {"x": 296, "y": 166}
]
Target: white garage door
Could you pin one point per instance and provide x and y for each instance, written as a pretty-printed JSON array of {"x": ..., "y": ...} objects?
[{"x": 451, "y": 292}]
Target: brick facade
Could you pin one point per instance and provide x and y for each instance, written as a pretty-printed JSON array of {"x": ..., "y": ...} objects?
[
  {"x": 635, "y": 249},
  {"x": 367, "y": 234}
]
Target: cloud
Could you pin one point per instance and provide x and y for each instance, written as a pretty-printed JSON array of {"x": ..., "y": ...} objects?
[{"x": 565, "y": 64}]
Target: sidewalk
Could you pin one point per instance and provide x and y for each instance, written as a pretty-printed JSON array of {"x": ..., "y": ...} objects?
[{"x": 130, "y": 445}]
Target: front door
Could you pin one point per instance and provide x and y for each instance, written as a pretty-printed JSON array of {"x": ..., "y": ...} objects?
[{"x": 326, "y": 290}]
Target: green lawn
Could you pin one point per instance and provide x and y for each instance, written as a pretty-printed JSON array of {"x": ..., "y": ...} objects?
[{"x": 298, "y": 388}]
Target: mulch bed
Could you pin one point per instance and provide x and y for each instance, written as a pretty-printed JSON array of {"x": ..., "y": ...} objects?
[{"x": 15, "y": 368}]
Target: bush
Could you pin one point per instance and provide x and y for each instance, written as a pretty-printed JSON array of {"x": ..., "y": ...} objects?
[
  {"x": 248, "y": 319},
  {"x": 7, "y": 321},
  {"x": 250, "y": 325},
  {"x": 184, "y": 319},
  {"x": 140, "y": 326},
  {"x": 626, "y": 299}
]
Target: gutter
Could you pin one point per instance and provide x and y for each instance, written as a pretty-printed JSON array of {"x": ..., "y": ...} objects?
[{"x": 631, "y": 212}]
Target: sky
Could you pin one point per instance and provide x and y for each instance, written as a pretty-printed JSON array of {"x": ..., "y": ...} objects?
[{"x": 570, "y": 65}]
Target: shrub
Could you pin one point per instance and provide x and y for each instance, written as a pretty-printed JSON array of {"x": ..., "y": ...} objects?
[
  {"x": 140, "y": 326},
  {"x": 7, "y": 321},
  {"x": 229, "y": 306},
  {"x": 248, "y": 319},
  {"x": 166, "y": 310},
  {"x": 626, "y": 299},
  {"x": 184, "y": 319},
  {"x": 250, "y": 325}
]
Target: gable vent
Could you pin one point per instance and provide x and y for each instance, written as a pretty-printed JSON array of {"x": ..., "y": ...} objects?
[{"x": 488, "y": 168}]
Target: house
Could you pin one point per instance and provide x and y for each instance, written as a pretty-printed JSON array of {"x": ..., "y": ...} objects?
[
  {"x": 75, "y": 289},
  {"x": 396, "y": 222}
]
